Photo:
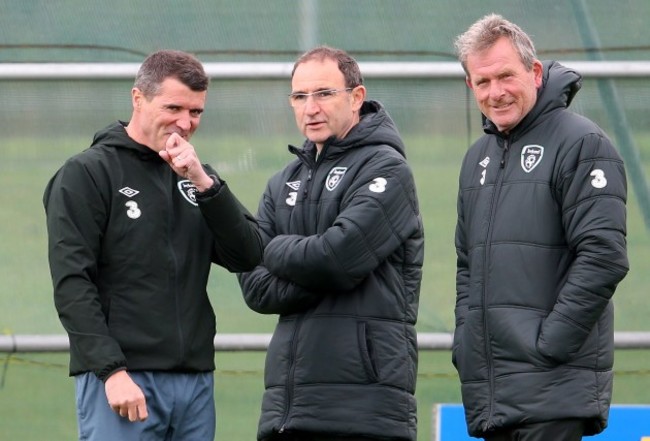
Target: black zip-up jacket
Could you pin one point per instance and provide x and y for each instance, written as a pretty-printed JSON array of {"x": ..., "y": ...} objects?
[
  {"x": 541, "y": 248},
  {"x": 130, "y": 249},
  {"x": 342, "y": 267}
]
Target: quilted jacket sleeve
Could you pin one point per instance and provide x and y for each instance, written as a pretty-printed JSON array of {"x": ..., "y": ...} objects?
[
  {"x": 378, "y": 215},
  {"x": 264, "y": 292},
  {"x": 592, "y": 193},
  {"x": 462, "y": 278}
]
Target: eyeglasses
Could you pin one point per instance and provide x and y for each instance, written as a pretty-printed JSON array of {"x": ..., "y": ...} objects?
[{"x": 299, "y": 99}]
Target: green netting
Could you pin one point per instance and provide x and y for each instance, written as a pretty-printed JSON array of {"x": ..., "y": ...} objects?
[{"x": 218, "y": 30}]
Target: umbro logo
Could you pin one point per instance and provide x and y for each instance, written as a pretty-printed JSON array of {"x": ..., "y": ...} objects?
[
  {"x": 128, "y": 192},
  {"x": 294, "y": 185}
]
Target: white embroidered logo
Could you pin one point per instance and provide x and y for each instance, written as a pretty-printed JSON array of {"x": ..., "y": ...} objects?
[
  {"x": 293, "y": 195},
  {"x": 484, "y": 163},
  {"x": 188, "y": 190},
  {"x": 378, "y": 185},
  {"x": 128, "y": 192},
  {"x": 294, "y": 185},
  {"x": 291, "y": 200},
  {"x": 531, "y": 156},
  {"x": 599, "y": 180},
  {"x": 334, "y": 177},
  {"x": 133, "y": 211}
]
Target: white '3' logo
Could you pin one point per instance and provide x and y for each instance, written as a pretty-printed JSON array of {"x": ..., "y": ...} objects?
[
  {"x": 599, "y": 180},
  {"x": 291, "y": 200},
  {"x": 133, "y": 211},
  {"x": 378, "y": 185}
]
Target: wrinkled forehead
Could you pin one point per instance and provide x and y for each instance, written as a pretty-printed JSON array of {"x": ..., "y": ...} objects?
[{"x": 317, "y": 74}]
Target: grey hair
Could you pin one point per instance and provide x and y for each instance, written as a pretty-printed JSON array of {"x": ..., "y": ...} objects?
[{"x": 485, "y": 32}]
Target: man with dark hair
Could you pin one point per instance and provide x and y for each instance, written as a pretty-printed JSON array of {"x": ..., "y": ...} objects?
[
  {"x": 134, "y": 223},
  {"x": 342, "y": 267},
  {"x": 541, "y": 248}
]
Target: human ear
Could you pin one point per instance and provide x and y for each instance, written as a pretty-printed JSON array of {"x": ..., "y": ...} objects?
[{"x": 358, "y": 96}]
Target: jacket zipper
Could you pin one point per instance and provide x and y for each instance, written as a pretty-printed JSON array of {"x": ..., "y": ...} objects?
[
  {"x": 174, "y": 258},
  {"x": 488, "y": 246},
  {"x": 306, "y": 188},
  {"x": 311, "y": 167}
]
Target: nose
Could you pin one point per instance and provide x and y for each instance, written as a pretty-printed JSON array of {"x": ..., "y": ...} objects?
[
  {"x": 496, "y": 90},
  {"x": 311, "y": 105},
  {"x": 184, "y": 122}
]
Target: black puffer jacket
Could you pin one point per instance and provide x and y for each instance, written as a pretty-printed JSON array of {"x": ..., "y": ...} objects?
[
  {"x": 130, "y": 249},
  {"x": 541, "y": 248},
  {"x": 342, "y": 267}
]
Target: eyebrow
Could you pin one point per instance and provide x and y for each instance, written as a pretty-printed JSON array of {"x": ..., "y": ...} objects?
[
  {"x": 179, "y": 106},
  {"x": 320, "y": 89}
]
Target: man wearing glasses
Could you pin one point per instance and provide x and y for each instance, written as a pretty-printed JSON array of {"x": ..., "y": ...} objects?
[{"x": 343, "y": 255}]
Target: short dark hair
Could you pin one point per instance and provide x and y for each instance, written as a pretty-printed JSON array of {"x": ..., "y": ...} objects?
[
  {"x": 347, "y": 65},
  {"x": 164, "y": 64}
]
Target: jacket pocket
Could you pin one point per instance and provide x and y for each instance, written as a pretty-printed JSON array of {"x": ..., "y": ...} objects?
[
  {"x": 331, "y": 349},
  {"x": 367, "y": 352}
]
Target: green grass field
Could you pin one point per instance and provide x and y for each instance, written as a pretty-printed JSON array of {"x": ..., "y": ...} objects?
[{"x": 37, "y": 397}]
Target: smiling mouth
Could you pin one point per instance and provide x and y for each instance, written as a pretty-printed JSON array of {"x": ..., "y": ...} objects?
[{"x": 501, "y": 106}]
